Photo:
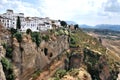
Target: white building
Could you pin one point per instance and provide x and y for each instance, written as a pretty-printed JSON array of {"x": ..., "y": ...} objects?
[
  {"x": 13, "y": 16},
  {"x": 36, "y": 24},
  {"x": 9, "y": 20},
  {"x": 6, "y": 22}
]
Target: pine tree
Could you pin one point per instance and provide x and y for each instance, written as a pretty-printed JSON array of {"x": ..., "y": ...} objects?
[{"x": 18, "y": 25}]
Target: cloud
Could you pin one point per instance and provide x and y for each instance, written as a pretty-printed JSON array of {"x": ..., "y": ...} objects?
[
  {"x": 81, "y": 11},
  {"x": 112, "y": 6},
  {"x": 19, "y": 6},
  {"x": 67, "y": 9}
]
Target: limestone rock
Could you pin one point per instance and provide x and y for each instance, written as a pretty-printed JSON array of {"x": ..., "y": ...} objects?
[
  {"x": 2, "y": 54},
  {"x": 77, "y": 74},
  {"x": 2, "y": 75},
  {"x": 27, "y": 57}
]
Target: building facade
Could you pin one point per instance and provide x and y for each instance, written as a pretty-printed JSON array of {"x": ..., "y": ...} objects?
[{"x": 9, "y": 20}]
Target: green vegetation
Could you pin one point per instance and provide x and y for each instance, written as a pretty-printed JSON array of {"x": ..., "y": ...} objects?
[
  {"x": 76, "y": 26},
  {"x": 28, "y": 31},
  {"x": 91, "y": 59},
  {"x": 61, "y": 31},
  {"x": 13, "y": 31},
  {"x": 60, "y": 73},
  {"x": 45, "y": 37},
  {"x": 18, "y": 36},
  {"x": 18, "y": 25},
  {"x": 83, "y": 40},
  {"x": 8, "y": 50},
  {"x": 63, "y": 23},
  {"x": 7, "y": 67},
  {"x": 36, "y": 74},
  {"x": 36, "y": 38}
]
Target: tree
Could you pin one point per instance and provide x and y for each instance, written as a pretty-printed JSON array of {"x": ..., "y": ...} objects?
[
  {"x": 18, "y": 25},
  {"x": 76, "y": 26},
  {"x": 13, "y": 31},
  {"x": 18, "y": 36},
  {"x": 63, "y": 23},
  {"x": 28, "y": 31}
]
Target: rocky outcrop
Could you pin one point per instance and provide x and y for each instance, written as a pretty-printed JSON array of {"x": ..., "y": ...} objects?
[
  {"x": 27, "y": 57},
  {"x": 4, "y": 35},
  {"x": 2, "y": 74},
  {"x": 77, "y": 74}
]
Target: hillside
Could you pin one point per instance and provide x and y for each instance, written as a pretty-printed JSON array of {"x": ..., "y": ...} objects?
[
  {"x": 55, "y": 55},
  {"x": 91, "y": 55}
]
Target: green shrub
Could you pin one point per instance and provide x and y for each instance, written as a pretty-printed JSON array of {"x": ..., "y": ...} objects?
[
  {"x": 18, "y": 36},
  {"x": 36, "y": 38},
  {"x": 60, "y": 73},
  {"x": 28, "y": 31},
  {"x": 13, "y": 31},
  {"x": 4, "y": 45},
  {"x": 45, "y": 37},
  {"x": 7, "y": 67},
  {"x": 9, "y": 52}
]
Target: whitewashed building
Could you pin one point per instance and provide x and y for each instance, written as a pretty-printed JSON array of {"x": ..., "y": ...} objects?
[
  {"x": 36, "y": 24},
  {"x": 6, "y": 22},
  {"x": 13, "y": 17},
  {"x": 9, "y": 20}
]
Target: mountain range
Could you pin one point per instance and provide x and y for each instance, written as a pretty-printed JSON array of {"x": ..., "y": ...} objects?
[
  {"x": 99, "y": 26},
  {"x": 102, "y": 26}
]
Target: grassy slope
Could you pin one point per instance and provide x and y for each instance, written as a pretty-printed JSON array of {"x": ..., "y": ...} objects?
[{"x": 83, "y": 40}]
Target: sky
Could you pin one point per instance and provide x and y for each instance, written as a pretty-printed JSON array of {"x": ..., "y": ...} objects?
[{"x": 90, "y": 12}]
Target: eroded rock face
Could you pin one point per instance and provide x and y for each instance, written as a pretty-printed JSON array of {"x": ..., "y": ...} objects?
[
  {"x": 4, "y": 35},
  {"x": 2, "y": 75},
  {"x": 104, "y": 69},
  {"x": 77, "y": 74},
  {"x": 27, "y": 58},
  {"x": 2, "y": 54}
]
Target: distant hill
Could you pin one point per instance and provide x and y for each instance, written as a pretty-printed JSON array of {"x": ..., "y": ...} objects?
[
  {"x": 70, "y": 22},
  {"x": 103, "y": 26},
  {"x": 85, "y": 26},
  {"x": 107, "y": 26}
]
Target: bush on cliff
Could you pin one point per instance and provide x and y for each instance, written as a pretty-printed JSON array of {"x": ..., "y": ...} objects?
[
  {"x": 45, "y": 37},
  {"x": 13, "y": 31},
  {"x": 28, "y": 31},
  {"x": 7, "y": 67},
  {"x": 18, "y": 36},
  {"x": 60, "y": 73},
  {"x": 36, "y": 38}
]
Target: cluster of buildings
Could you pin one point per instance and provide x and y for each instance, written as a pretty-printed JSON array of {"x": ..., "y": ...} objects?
[{"x": 9, "y": 20}]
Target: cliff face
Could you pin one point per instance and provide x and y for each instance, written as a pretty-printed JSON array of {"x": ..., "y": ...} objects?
[
  {"x": 4, "y": 39},
  {"x": 27, "y": 58},
  {"x": 2, "y": 53}
]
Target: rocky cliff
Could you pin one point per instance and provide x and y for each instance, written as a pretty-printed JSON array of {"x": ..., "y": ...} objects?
[
  {"x": 82, "y": 53},
  {"x": 4, "y": 38},
  {"x": 2, "y": 54},
  {"x": 27, "y": 58}
]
